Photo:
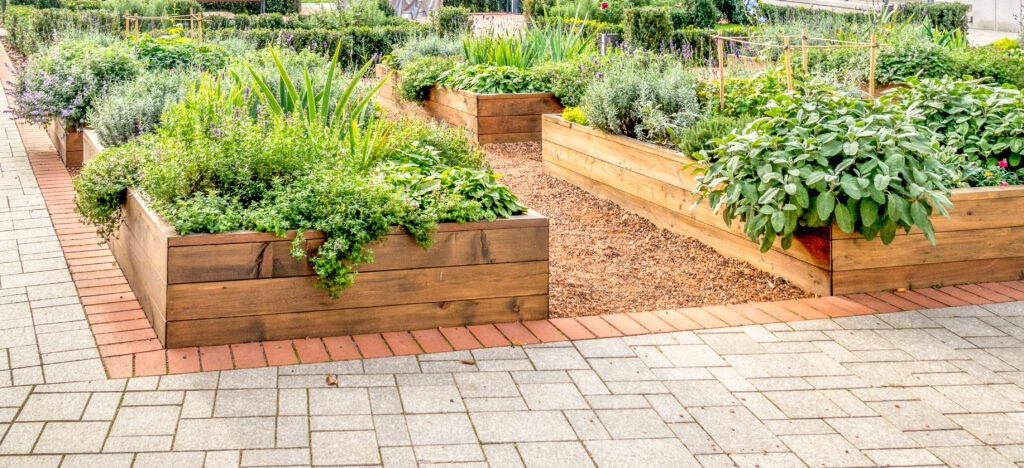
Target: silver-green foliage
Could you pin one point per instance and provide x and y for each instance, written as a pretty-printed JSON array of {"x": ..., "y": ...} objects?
[
  {"x": 134, "y": 108},
  {"x": 426, "y": 46},
  {"x": 819, "y": 158},
  {"x": 649, "y": 104}
]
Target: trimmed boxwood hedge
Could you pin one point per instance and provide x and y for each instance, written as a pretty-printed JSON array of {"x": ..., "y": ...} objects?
[{"x": 357, "y": 44}]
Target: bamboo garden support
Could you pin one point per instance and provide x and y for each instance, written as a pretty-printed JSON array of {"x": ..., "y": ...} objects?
[
  {"x": 803, "y": 48},
  {"x": 789, "y": 67},
  {"x": 721, "y": 70},
  {"x": 874, "y": 59}
]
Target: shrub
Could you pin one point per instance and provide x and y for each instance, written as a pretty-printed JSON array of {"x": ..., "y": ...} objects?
[
  {"x": 134, "y": 108},
  {"x": 169, "y": 52},
  {"x": 947, "y": 16},
  {"x": 528, "y": 47},
  {"x": 490, "y": 79},
  {"x": 451, "y": 21},
  {"x": 699, "y": 137},
  {"x": 923, "y": 59},
  {"x": 30, "y": 30},
  {"x": 696, "y": 45},
  {"x": 643, "y": 103},
  {"x": 479, "y": 5},
  {"x": 65, "y": 79},
  {"x": 733, "y": 10},
  {"x": 1003, "y": 66},
  {"x": 283, "y": 7},
  {"x": 647, "y": 27},
  {"x": 568, "y": 81},
  {"x": 744, "y": 95},
  {"x": 426, "y": 46},
  {"x": 695, "y": 13},
  {"x": 533, "y": 8},
  {"x": 359, "y": 44},
  {"x": 819, "y": 159},
  {"x": 419, "y": 75}
]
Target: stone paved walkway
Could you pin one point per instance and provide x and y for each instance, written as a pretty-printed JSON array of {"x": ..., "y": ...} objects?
[{"x": 941, "y": 386}]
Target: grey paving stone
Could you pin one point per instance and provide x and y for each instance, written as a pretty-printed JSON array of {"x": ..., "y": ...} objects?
[
  {"x": 736, "y": 430},
  {"x": 199, "y": 404},
  {"x": 121, "y": 444},
  {"x": 276, "y": 457},
  {"x": 339, "y": 401},
  {"x": 438, "y": 429},
  {"x": 72, "y": 437},
  {"x": 341, "y": 422},
  {"x": 261, "y": 377},
  {"x": 385, "y": 400},
  {"x": 650, "y": 453},
  {"x": 222, "y": 458},
  {"x": 548, "y": 396},
  {"x": 156, "y": 398},
  {"x": 701, "y": 393},
  {"x": 902, "y": 457},
  {"x": 486, "y": 384},
  {"x": 145, "y": 420},
  {"x": 994, "y": 428},
  {"x": 292, "y": 431},
  {"x": 540, "y": 376},
  {"x": 692, "y": 356},
  {"x": 391, "y": 365},
  {"x": 171, "y": 459},
  {"x": 912, "y": 415},
  {"x": 554, "y": 454},
  {"x": 972, "y": 456},
  {"x": 556, "y": 358},
  {"x": 452, "y": 453},
  {"x": 587, "y": 425},
  {"x": 248, "y": 402},
  {"x": 106, "y": 460},
  {"x": 871, "y": 433},
  {"x": 474, "y": 405},
  {"x": 20, "y": 438},
  {"x": 774, "y": 460},
  {"x": 502, "y": 456},
  {"x": 431, "y": 399},
  {"x": 54, "y": 407},
  {"x": 224, "y": 433},
  {"x": 634, "y": 424},
  {"x": 826, "y": 450},
  {"x": 805, "y": 404},
  {"x": 603, "y": 348},
  {"x": 522, "y": 426},
  {"x": 398, "y": 457},
  {"x": 391, "y": 430}
]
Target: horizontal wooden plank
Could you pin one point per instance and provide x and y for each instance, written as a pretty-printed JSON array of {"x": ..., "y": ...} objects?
[
  {"x": 356, "y": 321},
  {"x": 530, "y": 218},
  {"x": 141, "y": 262},
  {"x": 805, "y": 275},
  {"x": 951, "y": 246},
  {"x": 498, "y": 138},
  {"x": 508, "y": 124},
  {"x": 375, "y": 288},
  {"x": 925, "y": 276},
  {"x": 252, "y": 260},
  {"x": 971, "y": 210},
  {"x": 489, "y": 105}
]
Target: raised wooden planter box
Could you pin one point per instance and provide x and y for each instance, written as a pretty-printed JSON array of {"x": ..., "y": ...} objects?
[
  {"x": 212, "y": 289},
  {"x": 67, "y": 141},
  {"x": 91, "y": 146},
  {"x": 492, "y": 118},
  {"x": 982, "y": 240}
]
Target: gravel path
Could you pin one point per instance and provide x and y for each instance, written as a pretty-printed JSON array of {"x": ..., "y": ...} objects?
[{"x": 604, "y": 259}]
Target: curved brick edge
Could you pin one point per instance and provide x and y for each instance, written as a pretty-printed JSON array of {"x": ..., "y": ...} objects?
[{"x": 128, "y": 345}]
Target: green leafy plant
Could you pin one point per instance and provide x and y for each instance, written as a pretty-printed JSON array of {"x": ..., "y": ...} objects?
[
  {"x": 490, "y": 79},
  {"x": 574, "y": 114},
  {"x": 643, "y": 103},
  {"x": 451, "y": 21},
  {"x": 648, "y": 27},
  {"x": 977, "y": 120},
  {"x": 922, "y": 59},
  {"x": 692, "y": 141},
  {"x": 133, "y": 108},
  {"x": 426, "y": 46},
  {"x": 820, "y": 158},
  {"x": 546, "y": 42},
  {"x": 173, "y": 51},
  {"x": 420, "y": 75}
]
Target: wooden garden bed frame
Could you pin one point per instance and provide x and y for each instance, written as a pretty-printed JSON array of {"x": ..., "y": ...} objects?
[
  {"x": 67, "y": 141},
  {"x": 91, "y": 146},
  {"x": 982, "y": 240},
  {"x": 492, "y": 118},
  {"x": 213, "y": 289}
]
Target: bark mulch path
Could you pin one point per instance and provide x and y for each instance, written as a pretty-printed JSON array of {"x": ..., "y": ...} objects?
[{"x": 606, "y": 260}]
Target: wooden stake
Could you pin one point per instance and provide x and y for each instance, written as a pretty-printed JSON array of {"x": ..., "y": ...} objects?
[
  {"x": 721, "y": 70},
  {"x": 137, "y": 26},
  {"x": 192, "y": 23},
  {"x": 127, "y": 27},
  {"x": 803, "y": 48},
  {"x": 200, "y": 27},
  {"x": 789, "y": 67},
  {"x": 871, "y": 71}
]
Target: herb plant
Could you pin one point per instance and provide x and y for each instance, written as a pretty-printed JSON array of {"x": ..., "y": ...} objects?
[{"x": 490, "y": 79}]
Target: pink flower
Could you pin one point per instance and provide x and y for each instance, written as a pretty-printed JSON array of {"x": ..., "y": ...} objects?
[
  {"x": 1003, "y": 163},
  {"x": 1004, "y": 183},
  {"x": 604, "y": 5}
]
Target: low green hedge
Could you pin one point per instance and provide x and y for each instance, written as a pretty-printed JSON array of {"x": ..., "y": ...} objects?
[
  {"x": 273, "y": 6},
  {"x": 947, "y": 16},
  {"x": 31, "y": 29},
  {"x": 358, "y": 45},
  {"x": 697, "y": 43},
  {"x": 480, "y": 5}
]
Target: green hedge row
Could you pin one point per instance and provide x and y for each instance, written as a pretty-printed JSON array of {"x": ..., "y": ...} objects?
[
  {"x": 947, "y": 16},
  {"x": 273, "y": 6},
  {"x": 480, "y": 6},
  {"x": 357, "y": 44},
  {"x": 30, "y": 29}
]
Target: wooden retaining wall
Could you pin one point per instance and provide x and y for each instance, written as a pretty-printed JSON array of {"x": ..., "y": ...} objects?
[
  {"x": 979, "y": 242},
  {"x": 492, "y": 118},
  {"x": 211, "y": 289},
  {"x": 91, "y": 146},
  {"x": 67, "y": 141}
]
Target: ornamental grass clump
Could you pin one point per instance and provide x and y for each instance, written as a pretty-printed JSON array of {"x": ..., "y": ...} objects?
[
  {"x": 295, "y": 161},
  {"x": 819, "y": 158}
]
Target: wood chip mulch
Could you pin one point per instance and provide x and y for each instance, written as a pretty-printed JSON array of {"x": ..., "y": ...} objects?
[{"x": 606, "y": 260}]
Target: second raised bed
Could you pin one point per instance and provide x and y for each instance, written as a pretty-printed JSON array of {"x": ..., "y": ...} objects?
[{"x": 979, "y": 242}]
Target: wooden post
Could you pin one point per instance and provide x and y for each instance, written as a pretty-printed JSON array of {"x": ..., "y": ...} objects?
[
  {"x": 803, "y": 48},
  {"x": 137, "y": 21},
  {"x": 127, "y": 27},
  {"x": 789, "y": 67},
  {"x": 200, "y": 27},
  {"x": 871, "y": 71},
  {"x": 192, "y": 23},
  {"x": 721, "y": 70}
]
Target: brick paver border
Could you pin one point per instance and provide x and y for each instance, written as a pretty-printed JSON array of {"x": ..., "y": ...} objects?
[{"x": 129, "y": 347}]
